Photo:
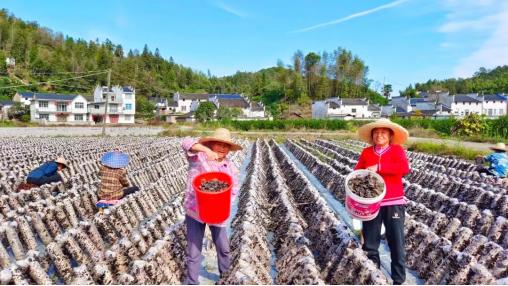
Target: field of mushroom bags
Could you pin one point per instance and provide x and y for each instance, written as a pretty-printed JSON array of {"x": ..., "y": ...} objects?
[{"x": 284, "y": 230}]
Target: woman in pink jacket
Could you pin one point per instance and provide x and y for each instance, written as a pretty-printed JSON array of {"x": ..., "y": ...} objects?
[{"x": 208, "y": 154}]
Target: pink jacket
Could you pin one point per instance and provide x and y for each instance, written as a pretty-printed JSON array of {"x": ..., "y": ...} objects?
[{"x": 198, "y": 164}]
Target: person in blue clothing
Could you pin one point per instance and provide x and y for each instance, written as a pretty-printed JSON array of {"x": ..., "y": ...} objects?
[
  {"x": 498, "y": 162},
  {"x": 47, "y": 172}
]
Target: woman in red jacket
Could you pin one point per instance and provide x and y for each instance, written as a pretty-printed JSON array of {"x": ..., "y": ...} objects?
[{"x": 388, "y": 159}]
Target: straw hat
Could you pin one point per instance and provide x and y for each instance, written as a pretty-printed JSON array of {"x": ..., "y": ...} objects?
[
  {"x": 221, "y": 135},
  {"x": 61, "y": 160},
  {"x": 115, "y": 159},
  {"x": 499, "y": 146},
  {"x": 400, "y": 134}
]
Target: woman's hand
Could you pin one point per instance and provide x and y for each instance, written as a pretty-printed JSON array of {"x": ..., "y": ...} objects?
[
  {"x": 211, "y": 156},
  {"x": 372, "y": 168}
]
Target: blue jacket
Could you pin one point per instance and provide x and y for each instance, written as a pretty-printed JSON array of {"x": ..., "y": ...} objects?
[
  {"x": 498, "y": 164},
  {"x": 45, "y": 170}
]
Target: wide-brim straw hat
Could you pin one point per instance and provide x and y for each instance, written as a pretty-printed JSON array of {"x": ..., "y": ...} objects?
[
  {"x": 61, "y": 160},
  {"x": 221, "y": 135},
  {"x": 400, "y": 133},
  {"x": 499, "y": 147},
  {"x": 115, "y": 159}
]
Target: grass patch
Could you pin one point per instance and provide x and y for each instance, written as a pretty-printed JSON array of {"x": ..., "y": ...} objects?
[
  {"x": 443, "y": 149},
  {"x": 423, "y": 133},
  {"x": 12, "y": 123}
]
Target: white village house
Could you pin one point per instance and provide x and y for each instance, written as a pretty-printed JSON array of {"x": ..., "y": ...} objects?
[
  {"x": 188, "y": 102},
  {"x": 121, "y": 107},
  {"x": 250, "y": 110},
  {"x": 24, "y": 97},
  {"x": 344, "y": 108},
  {"x": 58, "y": 108},
  {"x": 76, "y": 109},
  {"x": 443, "y": 104},
  {"x": 185, "y": 104},
  {"x": 4, "y": 109}
]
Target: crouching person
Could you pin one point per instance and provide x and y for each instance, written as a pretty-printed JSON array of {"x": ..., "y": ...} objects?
[
  {"x": 208, "y": 154},
  {"x": 114, "y": 183},
  {"x": 47, "y": 173}
]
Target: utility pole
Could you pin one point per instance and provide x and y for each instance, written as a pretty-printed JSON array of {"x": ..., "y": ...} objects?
[{"x": 106, "y": 105}]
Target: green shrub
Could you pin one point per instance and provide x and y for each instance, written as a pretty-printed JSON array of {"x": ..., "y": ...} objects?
[
  {"x": 470, "y": 125},
  {"x": 281, "y": 124}
]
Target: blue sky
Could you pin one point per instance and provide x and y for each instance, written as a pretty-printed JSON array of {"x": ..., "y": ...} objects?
[{"x": 402, "y": 41}]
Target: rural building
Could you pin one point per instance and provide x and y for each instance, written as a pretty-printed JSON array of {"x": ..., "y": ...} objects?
[
  {"x": 121, "y": 105},
  {"x": 58, "y": 108},
  {"x": 344, "y": 108}
]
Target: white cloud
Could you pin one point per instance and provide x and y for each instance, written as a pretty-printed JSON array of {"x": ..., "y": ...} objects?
[
  {"x": 492, "y": 53},
  {"x": 226, "y": 8},
  {"x": 352, "y": 16},
  {"x": 479, "y": 24},
  {"x": 484, "y": 19}
]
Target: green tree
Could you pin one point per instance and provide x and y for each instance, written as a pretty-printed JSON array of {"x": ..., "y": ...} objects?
[
  {"x": 471, "y": 125},
  {"x": 387, "y": 89},
  {"x": 312, "y": 73},
  {"x": 205, "y": 111},
  {"x": 19, "y": 111},
  {"x": 144, "y": 108},
  {"x": 228, "y": 113}
]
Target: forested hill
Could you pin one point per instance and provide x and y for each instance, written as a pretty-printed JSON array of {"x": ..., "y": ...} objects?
[
  {"x": 483, "y": 81},
  {"x": 42, "y": 55}
]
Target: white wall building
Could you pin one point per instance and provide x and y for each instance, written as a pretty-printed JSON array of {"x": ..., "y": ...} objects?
[
  {"x": 464, "y": 104},
  {"x": 188, "y": 102},
  {"x": 250, "y": 110},
  {"x": 342, "y": 108},
  {"x": 24, "y": 97},
  {"x": 494, "y": 105},
  {"x": 121, "y": 107},
  {"x": 58, "y": 108},
  {"x": 4, "y": 109}
]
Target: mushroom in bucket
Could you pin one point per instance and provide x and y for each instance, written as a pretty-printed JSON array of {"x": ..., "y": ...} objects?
[
  {"x": 213, "y": 196},
  {"x": 364, "y": 192}
]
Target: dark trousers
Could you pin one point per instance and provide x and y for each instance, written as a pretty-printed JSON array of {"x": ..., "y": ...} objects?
[
  {"x": 195, "y": 234},
  {"x": 393, "y": 219},
  {"x": 129, "y": 190},
  {"x": 44, "y": 180}
]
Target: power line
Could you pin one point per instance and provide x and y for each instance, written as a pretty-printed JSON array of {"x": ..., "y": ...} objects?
[{"x": 51, "y": 81}]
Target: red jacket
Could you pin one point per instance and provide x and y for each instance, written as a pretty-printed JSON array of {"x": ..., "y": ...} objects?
[{"x": 392, "y": 166}]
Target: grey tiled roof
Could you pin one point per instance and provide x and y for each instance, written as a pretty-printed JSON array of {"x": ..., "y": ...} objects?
[
  {"x": 354, "y": 101},
  {"x": 465, "y": 98},
  {"x": 54, "y": 96},
  {"x": 195, "y": 96},
  {"x": 494, "y": 97}
]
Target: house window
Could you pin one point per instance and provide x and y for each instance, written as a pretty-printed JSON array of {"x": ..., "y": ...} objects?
[
  {"x": 44, "y": 116},
  {"x": 501, "y": 112},
  {"x": 353, "y": 110},
  {"x": 184, "y": 108},
  {"x": 79, "y": 105},
  {"x": 61, "y": 106},
  {"x": 128, "y": 96},
  {"x": 490, "y": 112},
  {"x": 127, "y": 117},
  {"x": 128, "y": 106},
  {"x": 112, "y": 98},
  {"x": 113, "y": 107},
  {"x": 78, "y": 117},
  {"x": 43, "y": 104}
]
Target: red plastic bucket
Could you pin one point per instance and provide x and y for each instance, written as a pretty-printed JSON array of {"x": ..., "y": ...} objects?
[
  {"x": 363, "y": 209},
  {"x": 213, "y": 208}
]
